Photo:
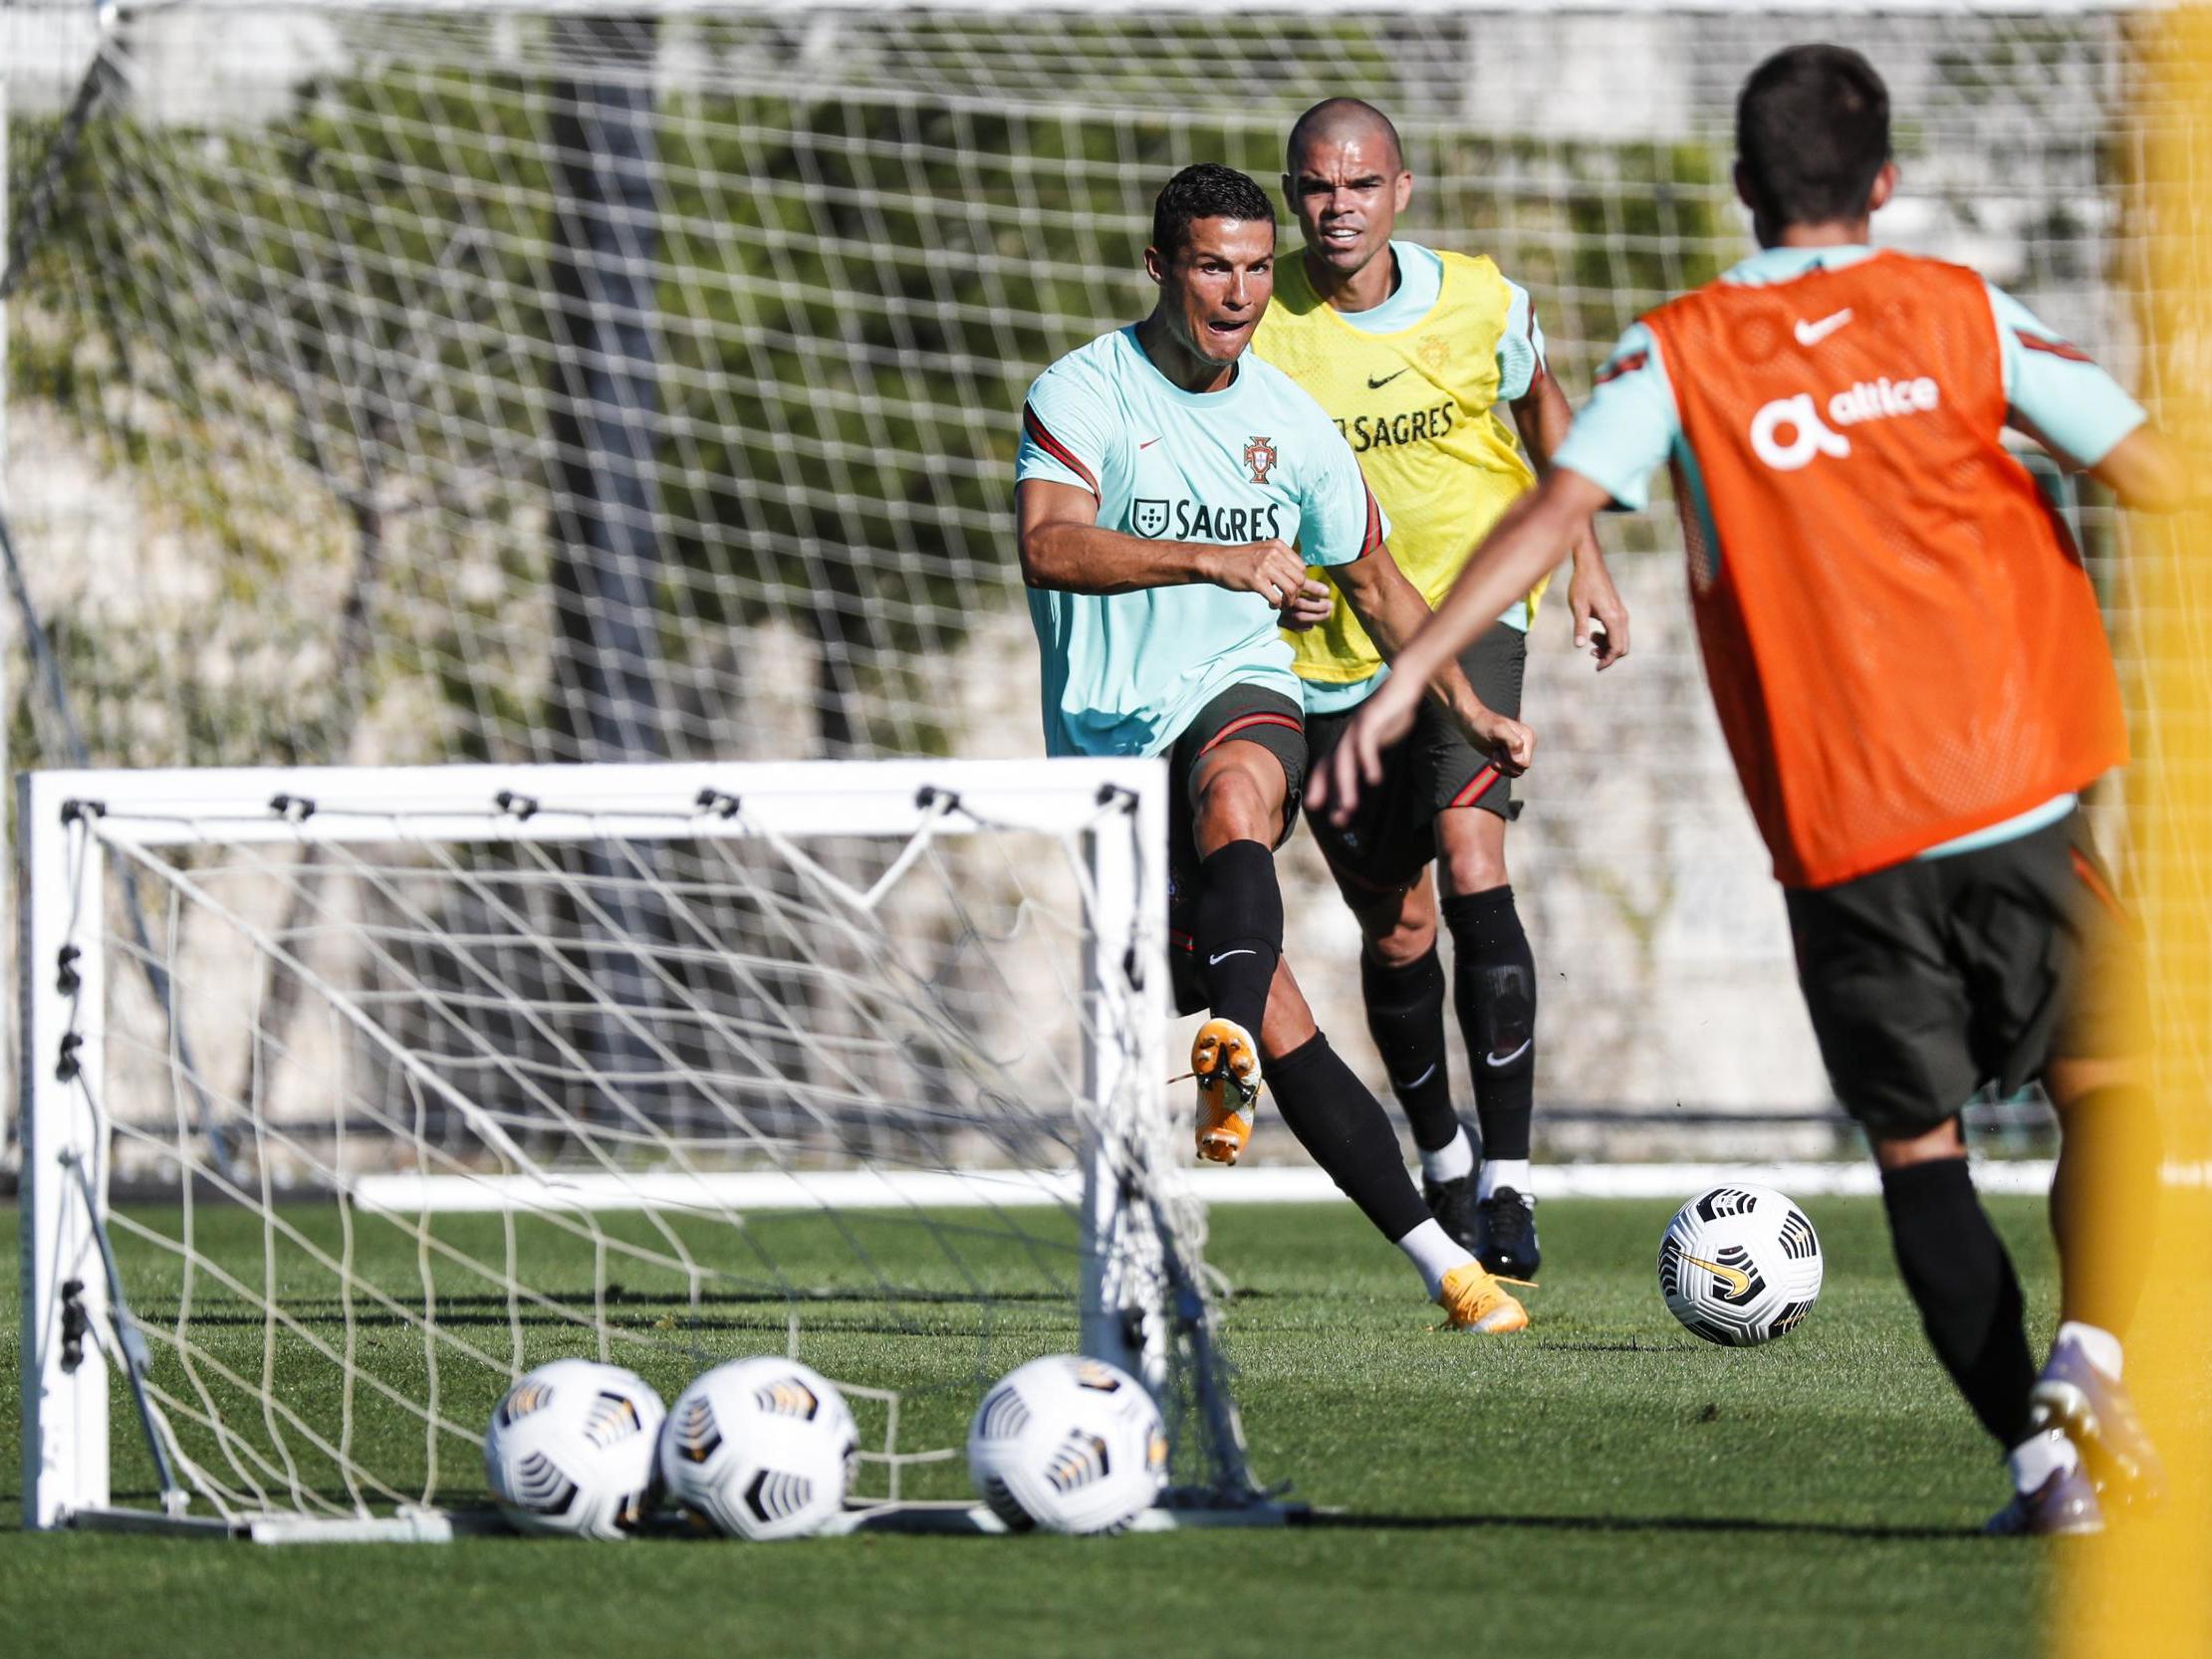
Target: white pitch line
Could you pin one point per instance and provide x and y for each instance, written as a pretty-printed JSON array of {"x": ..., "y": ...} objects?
[{"x": 1027, "y": 1189}]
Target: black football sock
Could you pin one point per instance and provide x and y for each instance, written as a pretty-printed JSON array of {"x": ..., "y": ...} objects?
[
  {"x": 1405, "y": 1017},
  {"x": 2105, "y": 1205},
  {"x": 1957, "y": 1270},
  {"x": 1347, "y": 1130},
  {"x": 1237, "y": 932},
  {"x": 1495, "y": 991}
]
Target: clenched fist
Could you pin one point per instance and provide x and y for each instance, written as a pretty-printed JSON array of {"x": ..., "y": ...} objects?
[{"x": 1267, "y": 569}]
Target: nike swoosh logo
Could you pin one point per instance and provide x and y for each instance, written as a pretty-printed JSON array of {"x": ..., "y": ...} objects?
[
  {"x": 1508, "y": 1060},
  {"x": 1214, "y": 961},
  {"x": 1148, "y": 442},
  {"x": 1422, "y": 1078},
  {"x": 1375, "y": 385},
  {"x": 1737, "y": 1279},
  {"x": 1812, "y": 334}
]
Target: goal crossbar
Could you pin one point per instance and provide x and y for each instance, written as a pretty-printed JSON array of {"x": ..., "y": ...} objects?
[{"x": 651, "y": 801}]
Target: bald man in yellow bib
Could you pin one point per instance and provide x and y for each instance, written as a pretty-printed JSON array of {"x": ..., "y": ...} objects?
[{"x": 1419, "y": 355}]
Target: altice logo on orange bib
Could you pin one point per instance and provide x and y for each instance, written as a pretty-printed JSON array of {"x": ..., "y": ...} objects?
[{"x": 1809, "y": 435}]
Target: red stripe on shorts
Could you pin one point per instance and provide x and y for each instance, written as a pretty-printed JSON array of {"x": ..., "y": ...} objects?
[
  {"x": 2094, "y": 878},
  {"x": 1243, "y": 721},
  {"x": 1475, "y": 785}
]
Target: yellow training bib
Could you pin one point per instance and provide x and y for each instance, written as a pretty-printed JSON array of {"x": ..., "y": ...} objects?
[{"x": 1419, "y": 409}]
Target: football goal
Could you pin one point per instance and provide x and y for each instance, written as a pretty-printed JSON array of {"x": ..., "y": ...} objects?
[{"x": 442, "y": 1073}]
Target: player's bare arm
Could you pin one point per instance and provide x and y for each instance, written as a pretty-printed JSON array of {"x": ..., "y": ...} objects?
[
  {"x": 1064, "y": 547},
  {"x": 1533, "y": 536},
  {"x": 1393, "y": 612},
  {"x": 2146, "y": 469},
  {"x": 2150, "y": 473},
  {"x": 1542, "y": 416}
]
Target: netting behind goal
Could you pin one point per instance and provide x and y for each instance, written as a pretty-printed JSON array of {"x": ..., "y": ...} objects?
[
  {"x": 410, "y": 384},
  {"x": 472, "y": 1069}
]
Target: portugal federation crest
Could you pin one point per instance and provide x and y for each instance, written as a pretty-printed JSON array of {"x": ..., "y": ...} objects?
[{"x": 1259, "y": 457}]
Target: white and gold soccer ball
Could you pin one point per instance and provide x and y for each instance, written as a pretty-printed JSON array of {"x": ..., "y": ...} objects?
[
  {"x": 571, "y": 1449},
  {"x": 1740, "y": 1265},
  {"x": 760, "y": 1449},
  {"x": 1068, "y": 1444}
]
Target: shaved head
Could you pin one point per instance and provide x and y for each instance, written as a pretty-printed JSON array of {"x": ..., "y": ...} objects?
[
  {"x": 1343, "y": 120},
  {"x": 1346, "y": 183}
]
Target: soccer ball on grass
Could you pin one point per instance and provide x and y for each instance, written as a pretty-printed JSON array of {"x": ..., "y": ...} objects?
[
  {"x": 1068, "y": 1444},
  {"x": 760, "y": 1449},
  {"x": 571, "y": 1449},
  {"x": 1740, "y": 1265}
]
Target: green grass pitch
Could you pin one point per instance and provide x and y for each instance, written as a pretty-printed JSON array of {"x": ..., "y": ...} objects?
[{"x": 1605, "y": 1485}]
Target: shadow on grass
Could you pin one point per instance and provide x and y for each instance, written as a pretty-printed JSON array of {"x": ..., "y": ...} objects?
[
  {"x": 1736, "y": 1526},
  {"x": 463, "y": 1310},
  {"x": 677, "y": 1323},
  {"x": 1623, "y": 1524}
]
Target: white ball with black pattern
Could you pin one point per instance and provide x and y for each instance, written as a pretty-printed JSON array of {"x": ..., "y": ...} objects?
[
  {"x": 1069, "y": 1445},
  {"x": 571, "y": 1449},
  {"x": 1740, "y": 1265},
  {"x": 760, "y": 1449}
]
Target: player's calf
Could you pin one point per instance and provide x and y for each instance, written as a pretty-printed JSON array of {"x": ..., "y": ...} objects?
[
  {"x": 1238, "y": 930},
  {"x": 1346, "y": 1132},
  {"x": 1237, "y": 937},
  {"x": 1405, "y": 1017},
  {"x": 1963, "y": 1283},
  {"x": 1495, "y": 995},
  {"x": 1970, "y": 1304}
]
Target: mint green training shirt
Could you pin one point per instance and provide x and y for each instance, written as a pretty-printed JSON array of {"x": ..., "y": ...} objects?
[{"x": 1126, "y": 673}]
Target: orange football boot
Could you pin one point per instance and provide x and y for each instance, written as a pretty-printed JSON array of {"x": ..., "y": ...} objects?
[
  {"x": 1477, "y": 1302},
  {"x": 1226, "y": 1062}
]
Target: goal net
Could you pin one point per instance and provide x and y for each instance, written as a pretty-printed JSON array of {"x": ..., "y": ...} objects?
[
  {"x": 415, "y": 382},
  {"x": 450, "y": 1071}
]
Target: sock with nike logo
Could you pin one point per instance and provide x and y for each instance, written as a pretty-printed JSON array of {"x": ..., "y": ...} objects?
[
  {"x": 1237, "y": 931},
  {"x": 1405, "y": 1017},
  {"x": 1494, "y": 988}
]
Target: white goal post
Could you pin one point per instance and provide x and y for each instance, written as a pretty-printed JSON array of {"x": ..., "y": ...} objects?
[{"x": 676, "y": 881}]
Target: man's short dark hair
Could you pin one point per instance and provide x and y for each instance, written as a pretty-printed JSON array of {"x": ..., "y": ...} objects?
[
  {"x": 1812, "y": 132},
  {"x": 1206, "y": 191}
]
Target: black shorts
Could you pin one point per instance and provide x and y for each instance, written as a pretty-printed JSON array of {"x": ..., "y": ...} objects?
[
  {"x": 1392, "y": 833},
  {"x": 1246, "y": 714},
  {"x": 1929, "y": 979}
]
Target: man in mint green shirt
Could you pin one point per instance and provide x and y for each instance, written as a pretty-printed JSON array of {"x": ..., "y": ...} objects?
[{"x": 1164, "y": 476}]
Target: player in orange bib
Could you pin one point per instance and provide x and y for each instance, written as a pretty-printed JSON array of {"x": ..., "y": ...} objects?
[{"x": 1912, "y": 677}]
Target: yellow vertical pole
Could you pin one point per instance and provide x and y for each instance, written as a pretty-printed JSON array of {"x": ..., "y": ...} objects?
[{"x": 2144, "y": 1590}]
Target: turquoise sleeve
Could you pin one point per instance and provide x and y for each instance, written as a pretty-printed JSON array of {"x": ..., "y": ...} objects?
[
  {"x": 1629, "y": 426},
  {"x": 1067, "y": 434},
  {"x": 1520, "y": 348},
  {"x": 2067, "y": 400}
]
